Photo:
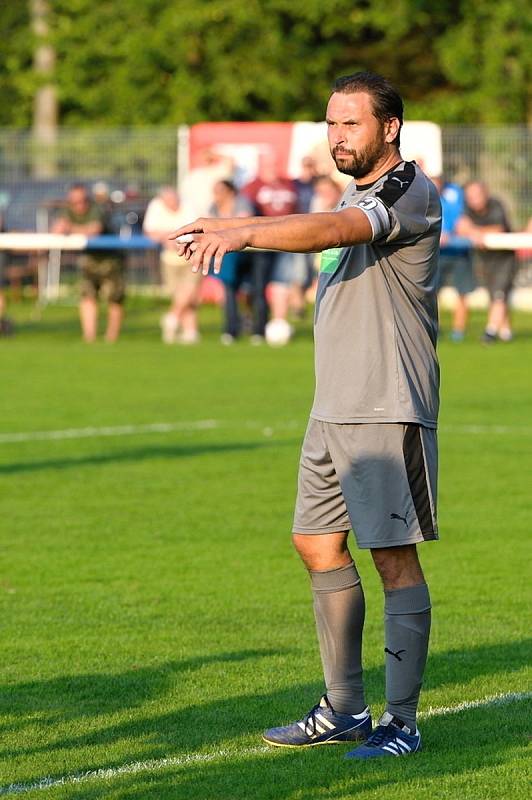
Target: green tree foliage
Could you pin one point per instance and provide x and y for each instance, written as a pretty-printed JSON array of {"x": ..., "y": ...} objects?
[
  {"x": 152, "y": 62},
  {"x": 16, "y": 79}
]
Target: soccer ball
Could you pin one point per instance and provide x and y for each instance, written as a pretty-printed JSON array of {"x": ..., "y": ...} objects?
[{"x": 278, "y": 332}]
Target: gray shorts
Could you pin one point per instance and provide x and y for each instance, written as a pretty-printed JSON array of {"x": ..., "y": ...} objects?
[{"x": 378, "y": 479}]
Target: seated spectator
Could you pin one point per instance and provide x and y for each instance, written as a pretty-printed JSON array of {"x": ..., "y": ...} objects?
[
  {"x": 495, "y": 268},
  {"x": 163, "y": 215},
  {"x": 236, "y": 267},
  {"x": 456, "y": 266},
  {"x": 103, "y": 272}
]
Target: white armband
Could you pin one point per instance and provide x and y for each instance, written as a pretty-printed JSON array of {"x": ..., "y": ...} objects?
[{"x": 377, "y": 214}]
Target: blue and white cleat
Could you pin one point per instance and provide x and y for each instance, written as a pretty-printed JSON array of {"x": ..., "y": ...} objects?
[
  {"x": 322, "y": 725},
  {"x": 391, "y": 737}
]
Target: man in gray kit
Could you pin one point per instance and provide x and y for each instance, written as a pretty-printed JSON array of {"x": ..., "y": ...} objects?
[{"x": 369, "y": 458}]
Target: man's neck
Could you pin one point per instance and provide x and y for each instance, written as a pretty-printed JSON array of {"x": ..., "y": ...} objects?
[{"x": 383, "y": 166}]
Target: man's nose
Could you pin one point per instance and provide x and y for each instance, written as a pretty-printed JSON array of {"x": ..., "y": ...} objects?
[{"x": 338, "y": 136}]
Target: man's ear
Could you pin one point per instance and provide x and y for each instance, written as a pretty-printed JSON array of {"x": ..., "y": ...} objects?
[{"x": 391, "y": 129}]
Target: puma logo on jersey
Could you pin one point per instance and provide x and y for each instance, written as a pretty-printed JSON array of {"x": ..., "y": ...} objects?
[
  {"x": 398, "y": 516},
  {"x": 399, "y": 181}
]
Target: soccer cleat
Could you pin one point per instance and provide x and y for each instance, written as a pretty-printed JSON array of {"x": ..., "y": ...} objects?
[
  {"x": 391, "y": 737},
  {"x": 322, "y": 725}
]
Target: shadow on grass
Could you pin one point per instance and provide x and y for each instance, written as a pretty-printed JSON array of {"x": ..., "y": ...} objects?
[
  {"x": 488, "y": 738},
  {"x": 78, "y": 696},
  {"x": 142, "y": 454},
  {"x": 203, "y": 725}
]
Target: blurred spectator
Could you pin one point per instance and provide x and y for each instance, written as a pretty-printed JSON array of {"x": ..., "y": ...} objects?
[
  {"x": 103, "y": 271},
  {"x": 305, "y": 184},
  {"x": 326, "y": 197},
  {"x": 456, "y": 266},
  {"x": 164, "y": 214},
  {"x": 303, "y": 263},
  {"x": 6, "y": 327},
  {"x": 236, "y": 267},
  {"x": 496, "y": 268},
  {"x": 272, "y": 194},
  {"x": 101, "y": 195},
  {"x": 197, "y": 186},
  {"x": 327, "y": 194}
]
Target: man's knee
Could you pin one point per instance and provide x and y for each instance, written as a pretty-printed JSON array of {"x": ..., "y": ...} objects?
[
  {"x": 398, "y": 567},
  {"x": 322, "y": 551}
]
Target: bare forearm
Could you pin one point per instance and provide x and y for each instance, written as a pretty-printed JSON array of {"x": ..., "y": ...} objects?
[
  {"x": 309, "y": 233},
  {"x": 299, "y": 233},
  {"x": 221, "y": 223}
]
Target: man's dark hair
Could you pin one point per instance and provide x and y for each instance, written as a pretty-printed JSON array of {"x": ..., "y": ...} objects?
[
  {"x": 387, "y": 101},
  {"x": 229, "y": 185}
]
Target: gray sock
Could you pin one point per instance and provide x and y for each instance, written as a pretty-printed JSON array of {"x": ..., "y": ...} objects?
[
  {"x": 339, "y": 609},
  {"x": 407, "y": 629}
]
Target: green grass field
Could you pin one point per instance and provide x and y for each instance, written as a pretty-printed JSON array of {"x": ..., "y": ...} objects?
[{"x": 154, "y": 619}]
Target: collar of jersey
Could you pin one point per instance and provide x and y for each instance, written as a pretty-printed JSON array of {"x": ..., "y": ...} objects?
[{"x": 360, "y": 187}]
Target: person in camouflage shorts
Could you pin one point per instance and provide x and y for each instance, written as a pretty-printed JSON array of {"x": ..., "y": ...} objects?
[{"x": 103, "y": 272}]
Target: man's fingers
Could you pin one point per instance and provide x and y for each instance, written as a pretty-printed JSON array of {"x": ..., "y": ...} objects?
[
  {"x": 208, "y": 255},
  {"x": 184, "y": 230},
  {"x": 218, "y": 259}
]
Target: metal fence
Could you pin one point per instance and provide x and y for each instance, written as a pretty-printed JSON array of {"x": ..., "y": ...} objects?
[
  {"x": 499, "y": 156},
  {"x": 138, "y": 160},
  {"x": 33, "y": 174},
  {"x": 134, "y": 162}
]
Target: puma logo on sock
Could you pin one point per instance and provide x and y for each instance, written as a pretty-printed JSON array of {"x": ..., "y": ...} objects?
[
  {"x": 395, "y": 655},
  {"x": 397, "y": 516}
]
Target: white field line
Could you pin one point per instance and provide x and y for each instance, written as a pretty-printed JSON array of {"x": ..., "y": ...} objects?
[
  {"x": 522, "y": 430},
  {"x": 109, "y": 430},
  {"x": 155, "y": 765},
  {"x": 210, "y": 424}
]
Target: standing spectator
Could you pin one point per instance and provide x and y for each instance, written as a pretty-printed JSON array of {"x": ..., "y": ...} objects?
[
  {"x": 496, "y": 268},
  {"x": 180, "y": 323},
  {"x": 103, "y": 272},
  {"x": 303, "y": 271},
  {"x": 327, "y": 194},
  {"x": 273, "y": 195},
  {"x": 305, "y": 184},
  {"x": 456, "y": 266},
  {"x": 236, "y": 266},
  {"x": 6, "y": 327},
  {"x": 196, "y": 188},
  {"x": 326, "y": 197}
]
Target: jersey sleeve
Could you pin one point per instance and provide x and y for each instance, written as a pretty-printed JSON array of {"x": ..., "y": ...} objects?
[
  {"x": 398, "y": 209},
  {"x": 406, "y": 196}
]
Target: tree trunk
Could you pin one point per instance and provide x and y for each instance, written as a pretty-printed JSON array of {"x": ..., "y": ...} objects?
[{"x": 45, "y": 110}]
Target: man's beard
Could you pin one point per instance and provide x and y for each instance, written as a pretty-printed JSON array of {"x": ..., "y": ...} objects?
[{"x": 361, "y": 163}]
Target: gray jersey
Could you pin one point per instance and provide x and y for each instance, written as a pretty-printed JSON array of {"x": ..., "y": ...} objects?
[{"x": 376, "y": 312}]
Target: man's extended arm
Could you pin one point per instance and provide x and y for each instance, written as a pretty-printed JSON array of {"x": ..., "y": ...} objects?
[{"x": 299, "y": 233}]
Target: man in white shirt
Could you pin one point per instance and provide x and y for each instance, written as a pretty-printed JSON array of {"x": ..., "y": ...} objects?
[{"x": 163, "y": 215}]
